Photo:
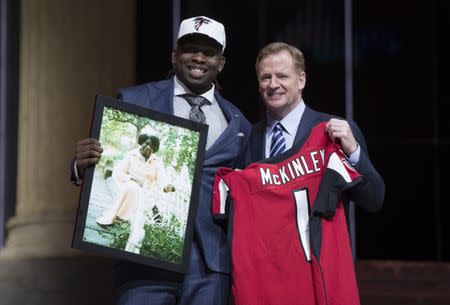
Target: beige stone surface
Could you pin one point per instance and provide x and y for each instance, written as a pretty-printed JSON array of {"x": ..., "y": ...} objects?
[{"x": 69, "y": 52}]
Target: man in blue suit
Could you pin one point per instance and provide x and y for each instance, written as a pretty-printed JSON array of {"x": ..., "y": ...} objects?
[
  {"x": 280, "y": 69},
  {"x": 197, "y": 60}
]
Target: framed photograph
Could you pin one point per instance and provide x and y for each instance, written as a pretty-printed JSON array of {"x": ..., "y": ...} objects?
[{"x": 138, "y": 203}]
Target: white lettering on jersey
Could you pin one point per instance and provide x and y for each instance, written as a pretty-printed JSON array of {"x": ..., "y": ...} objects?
[
  {"x": 309, "y": 163},
  {"x": 302, "y": 213},
  {"x": 335, "y": 163}
]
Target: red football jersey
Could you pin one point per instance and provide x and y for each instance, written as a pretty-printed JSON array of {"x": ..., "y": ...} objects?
[{"x": 287, "y": 226}]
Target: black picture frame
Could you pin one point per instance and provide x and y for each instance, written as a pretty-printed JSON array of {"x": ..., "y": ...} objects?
[{"x": 137, "y": 209}]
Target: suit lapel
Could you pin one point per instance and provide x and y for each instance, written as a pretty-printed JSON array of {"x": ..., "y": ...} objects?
[
  {"x": 230, "y": 133},
  {"x": 161, "y": 97},
  {"x": 258, "y": 140},
  {"x": 306, "y": 123}
]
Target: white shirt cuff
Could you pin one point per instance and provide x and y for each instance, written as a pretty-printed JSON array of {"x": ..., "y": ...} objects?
[
  {"x": 75, "y": 173},
  {"x": 354, "y": 156}
]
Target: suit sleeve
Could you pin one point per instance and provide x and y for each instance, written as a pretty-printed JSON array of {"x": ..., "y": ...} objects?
[
  {"x": 241, "y": 161},
  {"x": 369, "y": 194},
  {"x": 245, "y": 129}
]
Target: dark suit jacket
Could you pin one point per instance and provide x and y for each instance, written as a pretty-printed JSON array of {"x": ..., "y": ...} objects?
[
  {"x": 209, "y": 236},
  {"x": 369, "y": 194}
]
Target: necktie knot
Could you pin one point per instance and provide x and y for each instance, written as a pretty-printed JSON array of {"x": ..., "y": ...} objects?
[
  {"x": 196, "y": 102},
  {"x": 278, "y": 144},
  {"x": 278, "y": 127}
]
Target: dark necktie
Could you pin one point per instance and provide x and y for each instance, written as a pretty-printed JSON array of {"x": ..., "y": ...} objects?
[
  {"x": 278, "y": 144},
  {"x": 196, "y": 101}
]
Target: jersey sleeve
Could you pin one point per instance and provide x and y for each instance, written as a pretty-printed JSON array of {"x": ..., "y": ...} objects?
[
  {"x": 338, "y": 177},
  {"x": 221, "y": 191}
]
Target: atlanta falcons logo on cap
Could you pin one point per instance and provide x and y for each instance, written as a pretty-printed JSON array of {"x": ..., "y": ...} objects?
[{"x": 199, "y": 21}]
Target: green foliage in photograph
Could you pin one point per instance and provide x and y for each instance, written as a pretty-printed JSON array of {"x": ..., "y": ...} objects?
[
  {"x": 120, "y": 231},
  {"x": 163, "y": 241},
  {"x": 188, "y": 153},
  {"x": 120, "y": 131},
  {"x": 178, "y": 146},
  {"x": 116, "y": 116},
  {"x": 170, "y": 145}
]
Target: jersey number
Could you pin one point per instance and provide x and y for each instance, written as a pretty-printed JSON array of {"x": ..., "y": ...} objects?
[{"x": 302, "y": 211}]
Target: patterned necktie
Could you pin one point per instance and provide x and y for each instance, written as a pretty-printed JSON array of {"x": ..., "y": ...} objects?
[
  {"x": 278, "y": 142},
  {"x": 196, "y": 101}
]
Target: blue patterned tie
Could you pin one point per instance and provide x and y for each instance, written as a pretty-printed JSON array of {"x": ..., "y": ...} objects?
[
  {"x": 196, "y": 101},
  {"x": 278, "y": 142}
]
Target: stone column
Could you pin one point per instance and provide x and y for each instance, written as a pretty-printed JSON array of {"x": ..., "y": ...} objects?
[{"x": 70, "y": 50}]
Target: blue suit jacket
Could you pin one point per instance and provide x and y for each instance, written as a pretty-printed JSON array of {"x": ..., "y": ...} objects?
[
  {"x": 209, "y": 236},
  {"x": 369, "y": 194}
]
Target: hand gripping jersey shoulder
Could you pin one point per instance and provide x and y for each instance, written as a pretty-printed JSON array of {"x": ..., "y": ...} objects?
[{"x": 289, "y": 238}]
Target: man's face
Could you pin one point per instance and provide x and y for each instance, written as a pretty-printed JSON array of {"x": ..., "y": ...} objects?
[
  {"x": 280, "y": 85},
  {"x": 198, "y": 61},
  {"x": 146, "y": 149}
]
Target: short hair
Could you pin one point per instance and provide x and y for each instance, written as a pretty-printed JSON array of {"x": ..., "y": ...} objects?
[
  {"x": 154, "y": 143},
  {"x": 142, "y": 138},
  {"x": 277, "y": 47}
]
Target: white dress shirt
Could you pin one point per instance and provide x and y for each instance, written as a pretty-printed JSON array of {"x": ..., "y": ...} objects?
[
  {"x": 214, "y": 115},
  {"x": 290, "y": 123}
]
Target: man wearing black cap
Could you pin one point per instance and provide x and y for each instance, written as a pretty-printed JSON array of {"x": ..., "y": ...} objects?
[{"x": 191, "y": 93}]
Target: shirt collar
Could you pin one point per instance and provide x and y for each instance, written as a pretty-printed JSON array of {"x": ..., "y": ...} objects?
[
  {"x": 136, "y": 152},
  {"x": 181, "y": 88},
  {"x": 290, "y": 121}
]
